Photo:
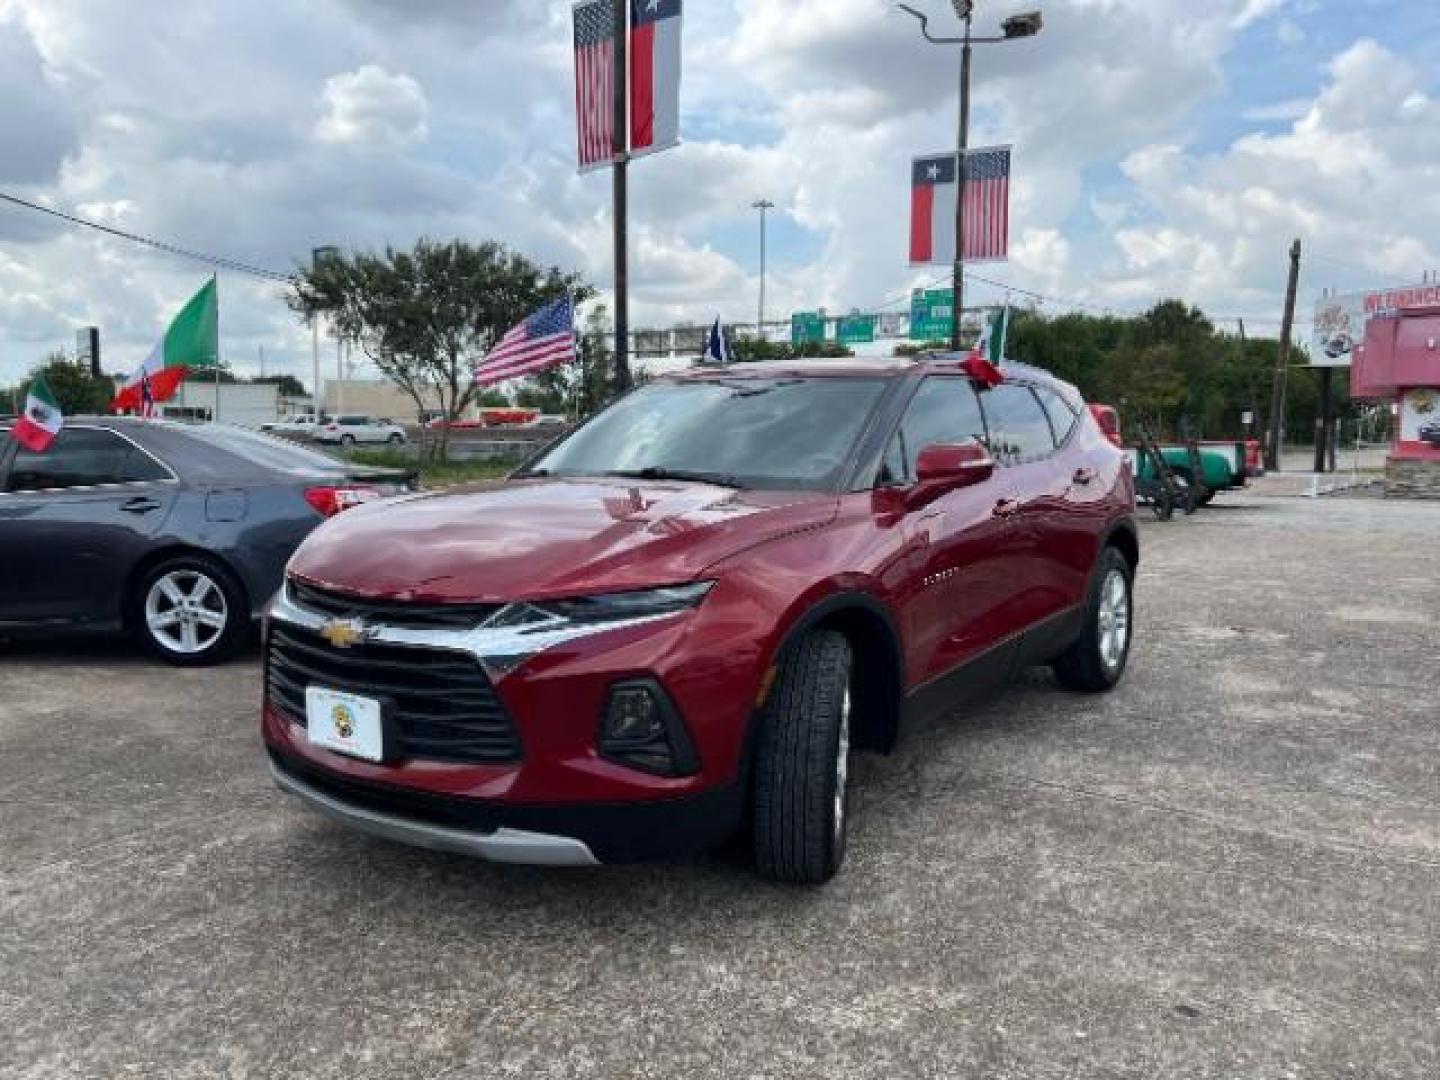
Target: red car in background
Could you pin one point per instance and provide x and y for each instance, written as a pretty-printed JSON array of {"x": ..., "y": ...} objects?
[{"x": 687, "y": 615}]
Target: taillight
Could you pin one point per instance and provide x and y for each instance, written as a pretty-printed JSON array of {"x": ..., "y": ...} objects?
[
  {"x": 330, "y": 501},
  {"x": 1109, "y": 421}
]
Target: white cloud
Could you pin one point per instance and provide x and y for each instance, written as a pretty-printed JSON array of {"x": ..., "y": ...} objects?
[
  {"x": 816, "y": 104},
  {"x": 370, "y": 107}
]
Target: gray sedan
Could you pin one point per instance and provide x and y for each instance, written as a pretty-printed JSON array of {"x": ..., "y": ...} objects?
[{"x": 176, "y": 533}]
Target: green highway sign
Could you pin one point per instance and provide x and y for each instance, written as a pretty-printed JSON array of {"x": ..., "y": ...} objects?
[
  {"x": 807, "y": 327},
  {"x": 856, "y": 330},
  {"x": 931, "y": 311}
]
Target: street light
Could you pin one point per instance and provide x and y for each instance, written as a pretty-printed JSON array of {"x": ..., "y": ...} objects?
[
  {"x": 317, "y": 256},
  {"x": 763, "y": 205},
  {"x": 1015, "y": 28}
]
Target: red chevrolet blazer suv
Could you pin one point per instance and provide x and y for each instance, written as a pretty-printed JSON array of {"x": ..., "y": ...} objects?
[{"x": 681, "y": 621}]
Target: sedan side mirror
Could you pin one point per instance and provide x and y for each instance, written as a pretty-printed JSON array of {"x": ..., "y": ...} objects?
[{"x": 946, "y": 467}]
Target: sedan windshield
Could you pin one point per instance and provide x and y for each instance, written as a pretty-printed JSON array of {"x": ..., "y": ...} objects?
[{"x": 753, "y": 433}]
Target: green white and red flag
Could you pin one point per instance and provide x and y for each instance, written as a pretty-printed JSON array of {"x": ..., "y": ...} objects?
[
  {"x": 42, "y": 419},
  {"x": 983, "y": 363},
  {"x": 192, "y": 341}
]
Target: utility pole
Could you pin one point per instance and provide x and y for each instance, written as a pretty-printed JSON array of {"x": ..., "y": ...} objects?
[
  {"x": 1282, "y": 365},
  {"x": 764, "y": 206},
  {"x": 960, "y": 171},
  {"x": 262, "y": 361},
  {"x": 1250, "y": 379},
  {"x": 1325, "y": 421},
  {"x": 1014, "y": 28},
  {"x": 622, "y": 166}
]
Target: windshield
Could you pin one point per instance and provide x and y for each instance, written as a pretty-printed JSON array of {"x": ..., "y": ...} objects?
[{"x": 754, "y": 433}]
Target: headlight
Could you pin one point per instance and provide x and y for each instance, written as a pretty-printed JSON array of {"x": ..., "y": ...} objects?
[{"x": 628, "y": 605}]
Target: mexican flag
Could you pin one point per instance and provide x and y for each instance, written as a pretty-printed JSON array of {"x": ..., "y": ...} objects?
[
  {"x": 991, "y": 345},
  {"x": 983, "y": 363},
  {"x": 41, "y": 421},
  {"x": 193, "y": 341}
]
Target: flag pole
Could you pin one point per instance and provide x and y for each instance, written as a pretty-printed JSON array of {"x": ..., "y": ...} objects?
[
  {"x": 622, "y": 165},
  {"x": 215, "y": 280}
]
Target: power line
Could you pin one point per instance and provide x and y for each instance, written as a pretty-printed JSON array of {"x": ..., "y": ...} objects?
[{"x": 218, "y": 261}]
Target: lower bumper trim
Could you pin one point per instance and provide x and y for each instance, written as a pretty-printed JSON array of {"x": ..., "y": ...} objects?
[{"x": 503, "y": 845}]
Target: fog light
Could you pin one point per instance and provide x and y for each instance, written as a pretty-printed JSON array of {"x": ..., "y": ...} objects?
[
  {"x": 642, "y": 730},
  {"x": 633, "y": 716}
]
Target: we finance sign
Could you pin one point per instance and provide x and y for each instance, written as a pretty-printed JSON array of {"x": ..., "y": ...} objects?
[{"x": 1340, "y": 319}]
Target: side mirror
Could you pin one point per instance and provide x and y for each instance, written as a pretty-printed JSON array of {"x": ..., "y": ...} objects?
[{"x": 947, "y": 467}]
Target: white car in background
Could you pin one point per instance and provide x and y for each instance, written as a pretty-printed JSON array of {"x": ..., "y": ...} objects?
[
  {"x": 350, "y": 429},
  {"x": 300, "y": 424}
]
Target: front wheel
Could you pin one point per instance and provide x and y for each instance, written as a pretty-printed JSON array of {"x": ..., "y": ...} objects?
[
  {"x": 396, "y": 440},
  {"x": 1097, "y": 659},
  {"x": 347, "y": 441},
  {"x": 190, "y": 612},
  {"x": 802, "y": 767}
]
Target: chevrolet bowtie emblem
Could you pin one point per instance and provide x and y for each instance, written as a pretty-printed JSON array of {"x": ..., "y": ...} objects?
[{"x": 345, "y": 633}]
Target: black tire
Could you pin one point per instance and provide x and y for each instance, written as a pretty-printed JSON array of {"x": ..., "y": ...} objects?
[
  {"x": 1163, "y": 507},
  {"x": 396, "y": 440},
  {"x": 800, "y": 825},
  {"x": 1207, "y": 498},
  {"x": 1086, "y": 666},
  {"x": 347, "y": 441},
  {"x": 231, "y": 635}
]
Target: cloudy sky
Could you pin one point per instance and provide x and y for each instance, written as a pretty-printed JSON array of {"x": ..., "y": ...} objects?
[{"x": 1162, "y": 148}]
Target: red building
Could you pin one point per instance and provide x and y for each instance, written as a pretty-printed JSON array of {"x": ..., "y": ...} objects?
[{"x": 1400, "y": 362}]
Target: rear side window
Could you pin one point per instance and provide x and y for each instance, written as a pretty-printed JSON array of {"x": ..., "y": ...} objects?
[
  {"x": 83, "y": 457},
  {"x": 1062, "y": 416},
  {"x": 1019, "y": 427},
  {"x": 943, "y": 410}
]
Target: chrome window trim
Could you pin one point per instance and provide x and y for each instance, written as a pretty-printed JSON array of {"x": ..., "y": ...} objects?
[{"x": 173, "y": 478}]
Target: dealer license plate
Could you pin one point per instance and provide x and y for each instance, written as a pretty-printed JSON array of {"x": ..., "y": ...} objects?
[{"x": 346, "y": 723}]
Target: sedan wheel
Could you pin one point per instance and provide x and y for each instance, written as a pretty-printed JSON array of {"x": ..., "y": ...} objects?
[{"x": 190, "y": 612}]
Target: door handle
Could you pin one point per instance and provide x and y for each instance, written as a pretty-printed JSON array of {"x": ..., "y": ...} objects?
[
  {"x": 1084, "y": 477},
  {"x": 1007, "y": 508},
  {"x": 140, "y": 505}
]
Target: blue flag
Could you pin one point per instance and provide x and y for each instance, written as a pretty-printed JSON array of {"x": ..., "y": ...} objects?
[{"x": 717, "y": 348}]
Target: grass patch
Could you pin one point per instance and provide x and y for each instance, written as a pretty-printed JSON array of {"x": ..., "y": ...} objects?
[{"x": 435, "y": 474}]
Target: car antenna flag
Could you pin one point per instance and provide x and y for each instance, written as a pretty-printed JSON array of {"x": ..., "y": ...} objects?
[
  {"x": 717, "y": 345},
  {"x": 983, "y": 363},
  {"x": 39, "y": 425}
]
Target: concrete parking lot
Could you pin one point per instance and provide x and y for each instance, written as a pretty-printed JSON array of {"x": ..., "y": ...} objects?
[{"x": 1228, "y": 868}]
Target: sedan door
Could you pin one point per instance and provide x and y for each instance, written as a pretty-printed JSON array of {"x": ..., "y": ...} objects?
[
  {"x": 958, "y": 607},
  {"x": 74, "y": 521}
]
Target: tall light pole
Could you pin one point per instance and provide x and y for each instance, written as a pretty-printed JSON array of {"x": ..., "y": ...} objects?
[
  {"x": 764, "y": 206},
  {"x": 1012, "y": 29},
  {"x": 317, "y": 256}
]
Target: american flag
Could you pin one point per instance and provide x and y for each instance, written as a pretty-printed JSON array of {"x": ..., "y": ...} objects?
[
  {"x": 595, "y": 81},
  {"x": 987, "y": 204},
  {"x": 544, "y": 340}
]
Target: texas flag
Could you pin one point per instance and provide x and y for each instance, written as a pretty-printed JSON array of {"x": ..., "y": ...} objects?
[
  {"x": 934, "y": 193},
  {"x": 654, "y": 75}
]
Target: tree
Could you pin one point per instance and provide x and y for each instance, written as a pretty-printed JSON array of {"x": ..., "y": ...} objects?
[
  {"x": 425, "y": 317},
  {"x": 288, "y": 385},
  {"x": 76, "y": 390}
]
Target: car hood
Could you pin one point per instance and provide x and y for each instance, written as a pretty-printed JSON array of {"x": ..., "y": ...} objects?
[{"x": 542, "y": 539}]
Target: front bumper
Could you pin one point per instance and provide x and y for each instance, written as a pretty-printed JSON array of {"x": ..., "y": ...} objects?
[
  {"x": 563, "y": 835},
  {"x": 502, "y": 845}
]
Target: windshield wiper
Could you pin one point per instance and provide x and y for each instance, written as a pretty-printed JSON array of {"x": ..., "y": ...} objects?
[{"x": 659, "y": 472}]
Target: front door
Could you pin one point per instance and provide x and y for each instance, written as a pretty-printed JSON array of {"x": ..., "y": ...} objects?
[
  {"x": 74, "y": 520},
  {"x": 958, "y": 607}
]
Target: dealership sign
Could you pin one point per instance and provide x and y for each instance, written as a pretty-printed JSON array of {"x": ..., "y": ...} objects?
[{"x": 1340, "y": 319}]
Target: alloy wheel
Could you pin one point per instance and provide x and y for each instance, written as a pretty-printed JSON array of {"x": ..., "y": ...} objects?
[
  {"x": 186, "y": 611},
  {"x": 1114, "y": 619}
]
